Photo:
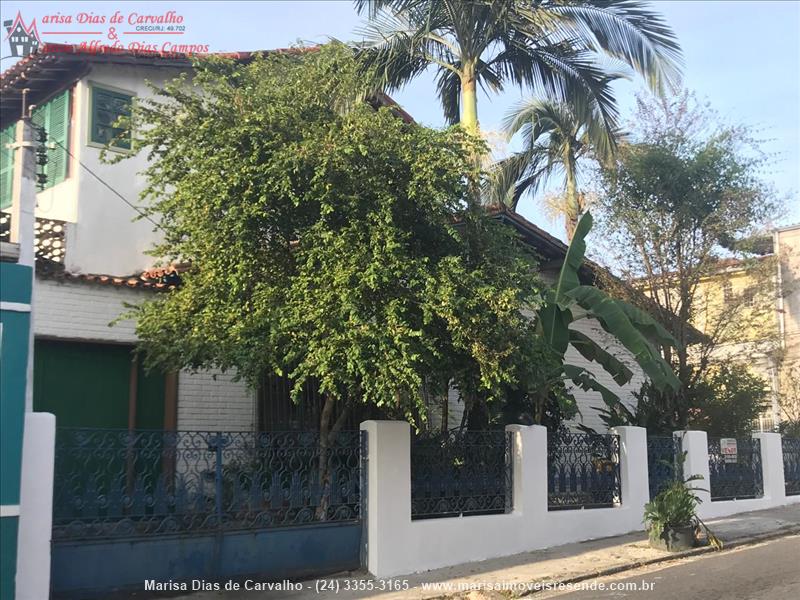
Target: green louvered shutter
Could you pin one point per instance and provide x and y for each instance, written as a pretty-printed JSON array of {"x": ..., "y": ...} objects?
[
  {"x": 6, "y": 165},
  {"x": 58, "y": 139},
  {"x": 54, "y": 117}
]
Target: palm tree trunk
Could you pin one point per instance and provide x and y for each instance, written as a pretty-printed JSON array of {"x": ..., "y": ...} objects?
[
  {"x": 469, "y": 101},
  {"x": 572, "y": 206}
]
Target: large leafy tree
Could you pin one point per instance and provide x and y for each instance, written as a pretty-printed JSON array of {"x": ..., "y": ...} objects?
[
  {"x": 558, "y": 49},
  {"x": 557, "y": 140},
  {"x": 327, "y": 241},
  {"x": 682, "y": 208}
]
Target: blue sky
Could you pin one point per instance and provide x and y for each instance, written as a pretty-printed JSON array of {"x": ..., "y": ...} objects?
[{"x": 744, "y": 57}]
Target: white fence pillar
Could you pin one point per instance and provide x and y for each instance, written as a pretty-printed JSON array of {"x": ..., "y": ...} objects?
[
  {"x": 530, "y": 469},
  {"x": 36, "y": 507},
  {"x": 772, "y": 467},
  {"x": 695, "y": 445},
  {"x": 633, "y": 466},
  {"x": 389, "y": 493}
]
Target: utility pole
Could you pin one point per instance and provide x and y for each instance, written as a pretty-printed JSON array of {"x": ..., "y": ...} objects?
[{"x": 27, "y": 438}]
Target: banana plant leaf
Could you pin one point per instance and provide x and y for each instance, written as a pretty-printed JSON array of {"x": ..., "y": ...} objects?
[
  {"x": 555, "y": 316},
  {"x": 614, "y": 320},
  {"x": 591, "y": 351},
  {"x": 568, "y": 276},
  {"x": 554, "y": 322},
  {"x": 648, "y": 326}
]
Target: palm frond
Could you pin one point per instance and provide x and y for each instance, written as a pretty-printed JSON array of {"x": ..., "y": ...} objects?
[
  {"x": 629, "y": 31},
  {"x": 448, "y": 86}
]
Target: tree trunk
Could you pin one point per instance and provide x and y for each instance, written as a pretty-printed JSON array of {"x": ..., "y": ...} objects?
[
  {"x": 327, "y": 434},
  {"x": 572, "y": 206},
  {"x": 469, "y": 101}
]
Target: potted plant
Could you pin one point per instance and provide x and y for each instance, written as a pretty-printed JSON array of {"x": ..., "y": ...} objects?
[{"x": 671, "y": 518}]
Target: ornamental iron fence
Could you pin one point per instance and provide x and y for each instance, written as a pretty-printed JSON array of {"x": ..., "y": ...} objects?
[
  {"x": 664, "y": 462},
  {"x": 461, "y": 473},
  {"x": 582, "y": 470},
  {"x": 112, "y": 483},
  {"x": 791, "y": 465},
  {"x": 735, "y": 476}
]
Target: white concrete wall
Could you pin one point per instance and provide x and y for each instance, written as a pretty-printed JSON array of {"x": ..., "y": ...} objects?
[
  {"x": 397, "y": 545},
  {"x": 83, "y": 311},
  {"x": 208, "y": 400},
  {"x": 695, "y": 444},
  {"x": 36, "y": 507},
  {"x": 212, "y": 401}
]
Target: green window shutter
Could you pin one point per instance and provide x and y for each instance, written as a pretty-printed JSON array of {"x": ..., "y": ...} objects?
[
  {"x": 58, "y": 139},
  {"x": 6, "y": 164},
  {"x": 107, "y": 108},
  {"x": 54, "y": 117}
]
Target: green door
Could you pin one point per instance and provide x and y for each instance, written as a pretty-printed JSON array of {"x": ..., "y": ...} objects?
[
  {"x": 100, "y": 473},
  {"x": 88, "y": 385}
]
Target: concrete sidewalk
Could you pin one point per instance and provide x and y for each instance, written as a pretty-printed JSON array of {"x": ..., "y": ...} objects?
[{"x": 568, "y": 563}]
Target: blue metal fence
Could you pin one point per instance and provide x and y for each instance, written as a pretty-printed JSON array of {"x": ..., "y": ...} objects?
[
  {"x": 791, "y": 465},
  {"x": 664, "y": 462},
  {"x": 117, "y": 483},
  {"x": 460, "y": 474},
  {"x": 582, "y": 470},
  {"x": 735, "y": 477}
]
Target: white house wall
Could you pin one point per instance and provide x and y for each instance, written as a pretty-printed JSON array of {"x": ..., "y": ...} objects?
[
  {"x": 106, "y": 237},
  {"x": 82, "y": 311},
  {"x": 588, "y": 400},
  {"x": 208, "y": 400}
]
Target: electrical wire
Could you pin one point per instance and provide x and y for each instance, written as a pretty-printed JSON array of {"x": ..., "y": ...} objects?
[{"x": 101, "y": 180}]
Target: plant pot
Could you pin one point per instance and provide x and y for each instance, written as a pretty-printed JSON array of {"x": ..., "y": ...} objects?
[{"x": 675, "y": 539}]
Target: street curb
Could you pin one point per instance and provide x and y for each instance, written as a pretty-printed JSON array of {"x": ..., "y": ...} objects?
[{"x": 746, "y": 541}]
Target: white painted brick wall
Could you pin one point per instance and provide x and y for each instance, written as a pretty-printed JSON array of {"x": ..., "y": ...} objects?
[
  {"x": 212, "y": 401},
  {"x": 74, "y": 310},
  {"x": 208, "y": 400}
]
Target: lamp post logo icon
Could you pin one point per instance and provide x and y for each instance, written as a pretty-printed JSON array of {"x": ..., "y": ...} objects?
[{"x": 23, "y": 39}]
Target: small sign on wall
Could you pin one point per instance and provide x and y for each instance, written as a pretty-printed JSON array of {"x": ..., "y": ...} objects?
[{"x": 728, "y": 449}]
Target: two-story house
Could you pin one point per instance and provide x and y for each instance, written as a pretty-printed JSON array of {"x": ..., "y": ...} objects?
[{"x": 91, "y": 250}]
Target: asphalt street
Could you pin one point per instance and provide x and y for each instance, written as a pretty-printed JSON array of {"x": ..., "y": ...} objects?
[{"x": 767, "y": 571}]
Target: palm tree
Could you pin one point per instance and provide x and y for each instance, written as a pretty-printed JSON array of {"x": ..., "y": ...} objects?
[
  {"x": 556, "y": 137},
  {"x": 552, "y": 47}
]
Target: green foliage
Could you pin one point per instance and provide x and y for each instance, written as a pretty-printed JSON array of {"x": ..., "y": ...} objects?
[
  {"x": 684, "y": 194},
  {"x": 727, "y": 401},
  {"x": 656, "y": 410},
  {"x": 556, "y": 49},
  {"x": 789, "y": 429},
  {"x": 675, "y": 507},
  {"x": 328, "y": 240}
]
